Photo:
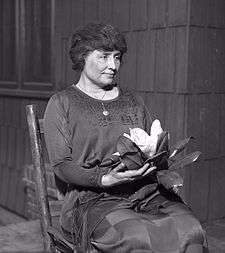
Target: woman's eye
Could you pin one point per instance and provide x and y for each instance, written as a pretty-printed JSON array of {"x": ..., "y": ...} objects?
[
  {"x": 103, "y": 56},
  {"x": 117, "y": 57}
]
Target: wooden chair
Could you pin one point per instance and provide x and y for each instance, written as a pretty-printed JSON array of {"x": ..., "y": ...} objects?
[{"x": 52, "y": 236}]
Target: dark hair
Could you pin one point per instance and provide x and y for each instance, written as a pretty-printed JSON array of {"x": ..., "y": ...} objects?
[{"x": 95, "y": 36}]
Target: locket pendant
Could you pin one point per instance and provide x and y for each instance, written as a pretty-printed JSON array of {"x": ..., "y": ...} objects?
[{"x": 105, "y": 113}]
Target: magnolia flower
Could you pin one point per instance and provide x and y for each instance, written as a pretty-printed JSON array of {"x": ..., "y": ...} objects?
[
  {"x": 147, "y": 143},
  {"x": 157, "y": 152}
]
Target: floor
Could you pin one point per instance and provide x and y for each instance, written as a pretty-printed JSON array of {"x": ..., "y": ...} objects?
[
  {"x": 19, "y": 235},
  {"x": 216, "y": 235}
]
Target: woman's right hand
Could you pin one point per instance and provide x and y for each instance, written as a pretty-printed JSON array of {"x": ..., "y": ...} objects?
[{"x": 118, "y": 175}]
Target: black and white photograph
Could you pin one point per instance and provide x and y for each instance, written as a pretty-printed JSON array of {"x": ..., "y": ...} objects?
[{"x": 112, "y": 126}]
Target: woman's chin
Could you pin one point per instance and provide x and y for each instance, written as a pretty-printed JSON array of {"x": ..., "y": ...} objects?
[{"x": 107, "y": 82}]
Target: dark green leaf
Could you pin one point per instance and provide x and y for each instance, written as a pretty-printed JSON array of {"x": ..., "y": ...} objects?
[
  {"x": 180, "y": 146},
  {"x": 156, "y": 158},
  {"x": 169, "y": 179},
  {"x": 163, "y": 142},
  {"x": 187, "y": 159},
  {"x": 130, "y": 154}
]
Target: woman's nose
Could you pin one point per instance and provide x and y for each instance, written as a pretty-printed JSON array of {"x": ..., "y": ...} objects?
[{"x": 111, "y": 63}]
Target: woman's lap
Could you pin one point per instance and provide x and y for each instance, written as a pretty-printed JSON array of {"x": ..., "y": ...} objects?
[{"x": 170, "y": 231}]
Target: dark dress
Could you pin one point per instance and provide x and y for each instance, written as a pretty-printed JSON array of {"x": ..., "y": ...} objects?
[{"x": 135, "y": 217}]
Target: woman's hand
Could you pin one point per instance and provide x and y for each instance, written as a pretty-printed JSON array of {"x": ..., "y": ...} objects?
[{"x": 118, "y": 175}]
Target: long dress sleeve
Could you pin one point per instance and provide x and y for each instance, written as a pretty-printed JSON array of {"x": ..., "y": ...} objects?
[{"x": 58, "y": 141}]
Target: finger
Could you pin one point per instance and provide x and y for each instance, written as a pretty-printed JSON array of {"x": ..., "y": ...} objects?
[
  {"x": 126, "y": 174},
  {"x": 143, "y": 169},
  {"x": 130, "y": 173},
  {"x": 120, "y": 178},
  {"x": 149, "y": 170},
  {"x": 119, "y": 167},
  {"x": 133, "y": 173}
]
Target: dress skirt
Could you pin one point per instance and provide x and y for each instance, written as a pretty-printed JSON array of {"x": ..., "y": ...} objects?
[
  {"x": 162, "y": 226},
  {"x": 171, "y": 231}
]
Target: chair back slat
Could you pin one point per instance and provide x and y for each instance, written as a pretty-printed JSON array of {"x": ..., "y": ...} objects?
[
  {"x": 49, "y": 210},
  {"x": 40, "y": 174}
]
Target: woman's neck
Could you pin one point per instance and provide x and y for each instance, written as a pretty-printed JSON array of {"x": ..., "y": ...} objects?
[
  {"x": 89, "y": 87},
  {"x": 99, "y": 92}
]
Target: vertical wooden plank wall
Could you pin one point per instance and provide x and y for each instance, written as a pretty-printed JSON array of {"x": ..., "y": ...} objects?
[
  {"x": 14, "y": 151},
  {"x": 206, "y": 96}
]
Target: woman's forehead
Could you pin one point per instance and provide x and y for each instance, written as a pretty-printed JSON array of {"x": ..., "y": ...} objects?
[{"x": 102, "y": 51}]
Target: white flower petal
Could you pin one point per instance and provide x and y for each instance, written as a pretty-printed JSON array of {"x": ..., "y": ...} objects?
[
  {"x": 116, "y": 153},
  {"x": 127, "y": 136},
  {"x": 156, "y": 128},
  {"x": 147, "y": 143}
]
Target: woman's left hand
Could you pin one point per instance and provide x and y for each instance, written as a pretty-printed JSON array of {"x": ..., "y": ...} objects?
[{"x": 118, "y": 175}]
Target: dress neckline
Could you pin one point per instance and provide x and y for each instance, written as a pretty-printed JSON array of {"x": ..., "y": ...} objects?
[{"x": 96, "y": 99}]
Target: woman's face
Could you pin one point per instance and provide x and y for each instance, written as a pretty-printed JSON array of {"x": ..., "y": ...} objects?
[{"x": 101, "y": 66}]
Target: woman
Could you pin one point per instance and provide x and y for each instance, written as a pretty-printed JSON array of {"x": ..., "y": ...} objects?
[{"x": 109, "y": 208}]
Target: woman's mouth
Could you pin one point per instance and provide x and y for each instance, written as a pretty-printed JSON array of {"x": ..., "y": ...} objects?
[{"x": 110, "y": 74}]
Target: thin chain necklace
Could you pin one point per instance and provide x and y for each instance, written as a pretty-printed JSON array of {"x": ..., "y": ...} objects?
[{"x": 104, "y": 111}]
